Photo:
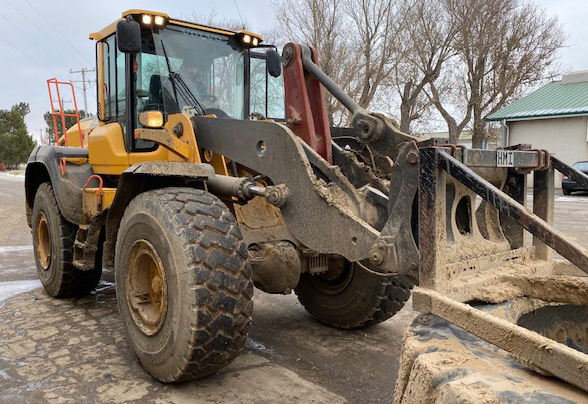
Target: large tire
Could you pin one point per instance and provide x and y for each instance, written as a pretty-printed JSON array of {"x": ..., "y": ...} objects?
[
  {"x": 566, "y": 191},
  {"x": 53, "y": 240},
  {"x": 193, "y": 320},
  {"x": 347, "y": 296}
]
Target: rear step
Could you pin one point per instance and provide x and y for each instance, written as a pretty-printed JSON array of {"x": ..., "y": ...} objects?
[
  {"x": 86, "y": 244},
  {"x": 469, "y": 254}
]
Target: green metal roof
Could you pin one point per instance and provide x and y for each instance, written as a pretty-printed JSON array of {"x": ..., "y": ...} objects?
[{"x": 553, "y": 99}]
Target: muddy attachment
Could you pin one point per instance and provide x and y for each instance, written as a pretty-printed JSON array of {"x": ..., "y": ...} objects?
[{"x": 473, "y": 220}]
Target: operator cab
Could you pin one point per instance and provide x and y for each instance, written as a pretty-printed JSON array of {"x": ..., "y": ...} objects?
[{"x": 150, "y": 62}]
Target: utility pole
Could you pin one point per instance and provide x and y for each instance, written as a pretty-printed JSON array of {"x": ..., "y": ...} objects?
[{"x": 83, "y": 81}]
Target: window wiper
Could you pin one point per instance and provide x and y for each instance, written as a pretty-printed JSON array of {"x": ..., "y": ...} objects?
[{"x": 180, "y": 87}]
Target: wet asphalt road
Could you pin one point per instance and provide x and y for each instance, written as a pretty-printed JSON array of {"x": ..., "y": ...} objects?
[{"x": 74, "y": 350}]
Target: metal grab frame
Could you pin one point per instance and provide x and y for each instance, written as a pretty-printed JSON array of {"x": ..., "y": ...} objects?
[{"x": 435, "y": 294}]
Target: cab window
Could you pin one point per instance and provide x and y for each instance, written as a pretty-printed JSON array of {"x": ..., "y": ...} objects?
[
  {"x": 114, "y": 82},
  {"x": 266, "y": 96}
]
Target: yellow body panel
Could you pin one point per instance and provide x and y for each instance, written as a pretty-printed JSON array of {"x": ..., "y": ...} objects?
[
  {"x": 92, "y": 204},
  {"x": 111, "y": 28},
  {"x": 72, "y": 134},
  {"x": 107, "y": 153}
]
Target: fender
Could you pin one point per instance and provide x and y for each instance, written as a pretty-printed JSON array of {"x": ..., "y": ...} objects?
[
  {"x": 43, "y": 165},
  {"x": 143, "y": 177}
]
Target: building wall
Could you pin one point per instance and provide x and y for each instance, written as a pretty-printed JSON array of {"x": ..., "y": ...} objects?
[{"x": 564, "y": 137}]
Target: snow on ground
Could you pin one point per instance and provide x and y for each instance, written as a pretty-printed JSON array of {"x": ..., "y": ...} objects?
[
  {"x": 15, "y": 248},
  {"x": 12, "y": 288},
  {"x": 12, "y": 177}
]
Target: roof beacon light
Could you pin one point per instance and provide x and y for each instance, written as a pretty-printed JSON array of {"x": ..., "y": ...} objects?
[
  {"x": 146, "y": 19},
  {"x": 159, "y": 20}
]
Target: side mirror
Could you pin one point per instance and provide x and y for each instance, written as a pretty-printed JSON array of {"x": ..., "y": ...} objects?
[
  {"x": 128, "y": 36},
  {"x": 274, "y": 64}
]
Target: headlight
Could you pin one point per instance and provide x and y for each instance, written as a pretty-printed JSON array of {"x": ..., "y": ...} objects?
[
  {"x": 151, "y": 119},
  {"x": 146, "y": 19},
  {"x": 159, "y": 20},
  {"x": 248, "y": 39}
]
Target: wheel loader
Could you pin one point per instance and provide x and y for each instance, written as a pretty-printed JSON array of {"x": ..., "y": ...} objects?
[{"x": 210, "y": 167}]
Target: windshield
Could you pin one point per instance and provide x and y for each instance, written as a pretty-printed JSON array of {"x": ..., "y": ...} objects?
[
  {"x": 582, "y": 166},
  {"x": 185, "y": 70}
]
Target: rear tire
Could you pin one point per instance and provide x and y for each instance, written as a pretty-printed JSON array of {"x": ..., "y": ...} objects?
[
  {"x": 350, "y": 297},
  {"x": 188, "y": 315},
  {"x": 53, "y": 240},
  {"x": 566, "y": 191}
]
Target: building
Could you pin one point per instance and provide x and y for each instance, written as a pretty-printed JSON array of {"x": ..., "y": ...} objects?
[
  {"x": 554, "y": 117},
  {"x": 465, "y": 138}
]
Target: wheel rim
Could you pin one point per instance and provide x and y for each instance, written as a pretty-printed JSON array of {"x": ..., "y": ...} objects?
[
  {"x": 335, "y": 279},
  {"x": 43, "y": 242},
  {"x": 146, "y": 287}
]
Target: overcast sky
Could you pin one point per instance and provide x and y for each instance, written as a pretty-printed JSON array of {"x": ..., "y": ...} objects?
[{"x": 40, "y": 40}]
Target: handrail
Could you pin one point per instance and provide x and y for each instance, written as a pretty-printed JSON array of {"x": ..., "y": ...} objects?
[
  {"x": 99, "y": 179},
  {"x": 63, "y": 139}
]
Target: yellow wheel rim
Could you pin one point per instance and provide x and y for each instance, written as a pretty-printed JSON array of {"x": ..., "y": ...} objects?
[
  {"x": 146, "y": 287},
  {"x": 43, "y": 242}
]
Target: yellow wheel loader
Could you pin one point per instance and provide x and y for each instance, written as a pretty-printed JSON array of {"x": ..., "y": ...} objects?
[{"x": 210, "y": 167}]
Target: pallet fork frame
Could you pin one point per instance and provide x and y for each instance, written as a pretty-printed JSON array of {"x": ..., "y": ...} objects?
[{"x": 438, "y": 275}]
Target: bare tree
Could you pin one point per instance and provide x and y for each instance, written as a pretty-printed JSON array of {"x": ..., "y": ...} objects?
[
  {"x": 425, "y": 44},
  {"x": 355, "y": 40},
  {"x": 503, "y": 46},
  {"x": 376, "y": 30},
  {"x": 320, "y": 23}
]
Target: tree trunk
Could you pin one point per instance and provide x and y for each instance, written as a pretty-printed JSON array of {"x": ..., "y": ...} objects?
[
  {"x": 453, "y": 132},
  {"x": 405, "y": 116},
  {"x": 479, "y": 130}
]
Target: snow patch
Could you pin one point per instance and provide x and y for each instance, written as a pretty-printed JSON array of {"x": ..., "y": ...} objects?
[
  {"x": 15, "y": 248},
  {"x": 13, "y": 288},
  {"x": 12, "y": 177},
  {"x": 258, "y": 346},
  {"x": 570, "y": 199}
]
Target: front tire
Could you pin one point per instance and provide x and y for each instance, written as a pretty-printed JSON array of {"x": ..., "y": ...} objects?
[
  {"x": 566, "y": 191},
  {"x": 347, "y": 296},
  {"x": 183, "y": 283},
  {"x": 53, "y": 240}
]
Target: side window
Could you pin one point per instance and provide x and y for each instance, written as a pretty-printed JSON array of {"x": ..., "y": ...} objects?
[
  {"x": 266, "y": 96},
  {"x": 114, "y": 82},
  {"x": 257, "y": 83},
  {"x": 275, "y": 97},
  {"x": 109, "y": 83},
  {"x": 120, "y": 87}
]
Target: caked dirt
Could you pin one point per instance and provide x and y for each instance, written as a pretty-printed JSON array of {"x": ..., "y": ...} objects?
[{"x": 442, "y": 364}]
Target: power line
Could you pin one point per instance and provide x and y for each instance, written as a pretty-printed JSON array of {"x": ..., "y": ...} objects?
[
  {"x": 31, "y": 38},
  {"x": 41, "y": 30},
  {"x": 58, "y": 33},
  {"x": 29, "y": 57},
  {"x": 83, "y": 71}
]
